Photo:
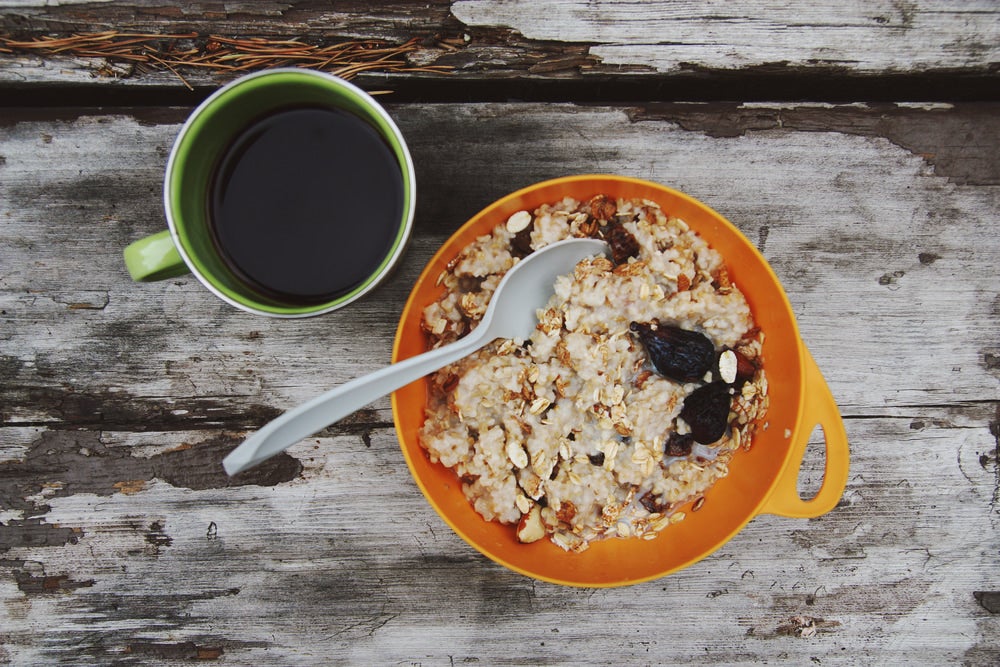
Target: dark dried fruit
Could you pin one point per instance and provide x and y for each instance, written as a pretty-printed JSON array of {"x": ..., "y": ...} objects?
[
  {"x": 623, "y": 244},
  {"x": 706, "y": 411},
  {"x": 745, "y": 369},
  {"x": 596, "y": 459},
  {"x": 679, "y": 444},
  {"x": 521, "y": 243},
  {"x": 450, "y": 383},
  {"x": 679, "y": 354},
  {"x": 652, "y": 503},
  {"x": 470, "y": 283}
]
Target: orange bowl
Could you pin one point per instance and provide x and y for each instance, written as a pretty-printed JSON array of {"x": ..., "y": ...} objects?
[{"x": 761, "y": 481}]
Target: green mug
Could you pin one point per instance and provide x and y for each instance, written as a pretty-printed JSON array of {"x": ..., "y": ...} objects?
[{"x": 327, "y": 218}]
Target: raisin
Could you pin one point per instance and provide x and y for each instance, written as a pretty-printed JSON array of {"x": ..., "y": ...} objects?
[
  {"x": 450, "y": 383},
  {"x": 623, "y": 244},
  {"x": 652, "y": 503},
  {"x": 520, "y": 245},
  {"x": 679, "y": 354},
  {"x": 706, "y": 411},
  {"x": 678, "y": 444},
  {"x": 470, "y": 283},
  {"x": 597, "y": 459}
]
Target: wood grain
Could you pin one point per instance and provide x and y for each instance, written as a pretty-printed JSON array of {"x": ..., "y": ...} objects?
[
  {"x": 869, "y": 37},
  {"x": 121, "y": 541},
  {"x": 612, "y": 50}
]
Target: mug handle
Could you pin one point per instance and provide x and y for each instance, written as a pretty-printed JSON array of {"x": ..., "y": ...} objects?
[
  {"x": 154, "y": 257},
  {"x": 819, "y": 408}
]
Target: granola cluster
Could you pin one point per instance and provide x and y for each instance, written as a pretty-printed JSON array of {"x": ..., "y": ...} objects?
[{"x": 576, "y": 434}]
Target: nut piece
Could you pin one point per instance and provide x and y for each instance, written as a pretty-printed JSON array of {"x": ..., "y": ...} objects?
[
  {"x": 518, "y": 222},
  {"x": 530, "y": 528},
  {"x": 728, "y": 364},
  {"x": 602, "y": 207}
]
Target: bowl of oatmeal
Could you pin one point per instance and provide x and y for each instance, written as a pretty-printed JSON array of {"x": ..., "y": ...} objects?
[{"x": 664, "y": 400}]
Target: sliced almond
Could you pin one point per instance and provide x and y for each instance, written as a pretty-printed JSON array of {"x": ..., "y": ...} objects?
[
  {"x": 728, "y": 363},
  {"x": 518, "y": 222}
]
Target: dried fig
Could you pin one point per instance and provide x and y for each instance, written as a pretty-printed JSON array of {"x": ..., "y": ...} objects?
[
  {"x": 679, "y": 354},
  {"x": 706, "y": 411}
]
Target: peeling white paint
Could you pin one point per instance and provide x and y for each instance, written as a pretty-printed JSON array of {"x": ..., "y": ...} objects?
[{"x": 675, "y": 36}]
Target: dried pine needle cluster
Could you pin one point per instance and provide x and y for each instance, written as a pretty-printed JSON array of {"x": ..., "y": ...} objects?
[{"x": 179, "y": 52}]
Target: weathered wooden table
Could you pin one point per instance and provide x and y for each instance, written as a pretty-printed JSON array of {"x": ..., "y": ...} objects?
[{"x": 857, "y": 144}]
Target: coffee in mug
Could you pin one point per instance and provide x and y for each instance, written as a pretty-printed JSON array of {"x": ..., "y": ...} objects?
[{"x": 287, "y": 193}]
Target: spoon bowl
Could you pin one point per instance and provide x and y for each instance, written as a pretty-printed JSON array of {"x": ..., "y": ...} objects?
[{"x": 511, "y": 314}]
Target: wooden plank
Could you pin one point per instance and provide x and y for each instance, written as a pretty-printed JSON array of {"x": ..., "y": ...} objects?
[
  {"x": 122, "y": 541},
  {"x": 865, "y": 246},
  {"x": 869, "y": 37},
  {"x": 559, "y": 42}
]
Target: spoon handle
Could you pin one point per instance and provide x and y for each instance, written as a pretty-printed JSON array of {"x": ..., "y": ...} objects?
[{"x": 337, "y": 403}]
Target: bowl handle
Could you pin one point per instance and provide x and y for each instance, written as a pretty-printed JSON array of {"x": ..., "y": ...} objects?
[{"x": 819, "y": 408}]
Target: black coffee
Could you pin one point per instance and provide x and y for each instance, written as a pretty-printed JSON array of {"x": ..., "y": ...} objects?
[{"x": 305, "y": 204}]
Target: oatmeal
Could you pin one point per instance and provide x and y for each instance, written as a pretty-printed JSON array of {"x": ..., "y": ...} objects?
[{"x": 641, "y": 381}]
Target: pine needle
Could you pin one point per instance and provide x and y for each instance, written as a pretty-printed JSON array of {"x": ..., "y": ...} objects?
[{"x": 178, "y": 52}]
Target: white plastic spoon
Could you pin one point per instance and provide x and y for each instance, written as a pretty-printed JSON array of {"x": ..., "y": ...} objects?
[{"x": 511, "y": 314}]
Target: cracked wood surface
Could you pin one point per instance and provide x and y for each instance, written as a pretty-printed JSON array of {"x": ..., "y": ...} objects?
[
  {"x": 652, "y": 43},
  {"x": 121, "y": 540}
]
